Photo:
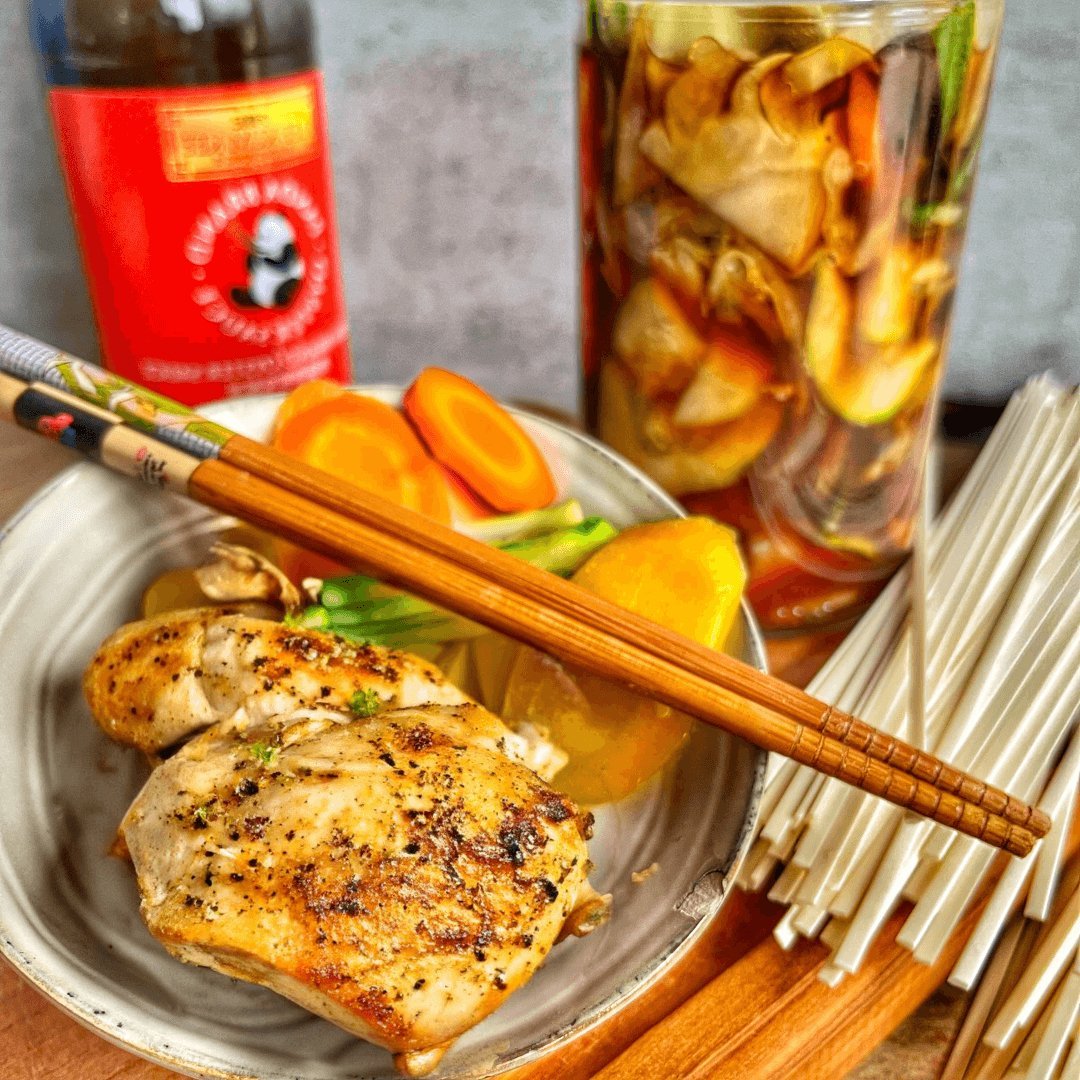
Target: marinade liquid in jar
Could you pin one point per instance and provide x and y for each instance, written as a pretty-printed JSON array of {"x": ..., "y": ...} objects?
[
  {"x": 774, "y": 199},
  {"x": 192, "y": 139}
]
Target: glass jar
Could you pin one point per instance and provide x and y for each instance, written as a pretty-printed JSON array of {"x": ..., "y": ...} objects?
[{"x": 773, "y": 206}]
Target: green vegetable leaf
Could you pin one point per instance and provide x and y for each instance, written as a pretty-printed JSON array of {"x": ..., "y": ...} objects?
[
  {"x": 262, "y": 753},
  {"x": 200, "y": 815},
  {"x": 365, "y": 703},
  {"x": 953, "y": 38},
  {"x": 960, "y": 180},
  {"x": 921, "y": 213}
]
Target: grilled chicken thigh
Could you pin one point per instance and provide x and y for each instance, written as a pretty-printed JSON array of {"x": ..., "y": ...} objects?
[{"x": 399, "y": 874}]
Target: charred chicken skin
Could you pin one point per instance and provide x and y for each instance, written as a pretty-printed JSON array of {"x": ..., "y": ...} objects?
[{"x": 394, "y": 866}]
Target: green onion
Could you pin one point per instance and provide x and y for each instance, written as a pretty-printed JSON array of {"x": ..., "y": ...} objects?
[
  {"x": 361, "y": 608},
  {"x": 564, "y": 550},
  {"x": 507, "y": 527}
]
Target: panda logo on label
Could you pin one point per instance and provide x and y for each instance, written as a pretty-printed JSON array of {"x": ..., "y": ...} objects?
[
  {"x": 259, "y": 261},
  {"x": 275, "y": 267}
]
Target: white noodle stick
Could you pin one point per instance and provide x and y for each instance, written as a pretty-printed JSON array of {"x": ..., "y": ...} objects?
[
  {"x": 831, "y": 819},
  {"x": 1021, "y": 626},
  {"x": 1033, "y": 614},
  {"x": 1013, "y": 519},
  {"x": 857, "y": 869},
  {"x": 762, "y": 872},
  {"x": 810, "y": 921},
  {"x": 786, "y": 885},
  {"x": 832, "y": 933},
  {"x": 1053, "y": 955},
  {"x": 775, "y": 785},
  {"x": 1071, "y": 1068},
  {"x": 967, "y": 1039},
  {"x": 881, "y": 896},
  {"x": 1044, "y": 684},
  {"x": 899, "y": 863},
  {"x": 784, "y": 931},
  {"x": 964, "y": 890},
  {"x": 1036, "y": 731},
  {"x": 980, "y": 945},
  {"x": 1064, "y": 1012},
  {"x": 1060, "y": 801},
  {"x": 832, "y": 976},
  {"x": 780, "y": 820},
  {"x": 862, "y": 846},
  {"x": 1023, "y": 1050},
  {"x": 1003, "y": 669},
  {"x": 758, "y": 852},
  {"x": 919, "y": 587},
  {"x": 1009, "y": 517},
  {"x": 919, "y": 881},
  {"x": 1053, "y": 709}
]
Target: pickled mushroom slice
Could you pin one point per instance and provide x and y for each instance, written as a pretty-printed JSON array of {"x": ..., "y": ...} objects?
[
  {"x": 659, "y": 77},
  {"x": 732, "y": 377},
  {"x": 839, "y": 228},
  {"x": 701, "y": 90},
  {"x": 816, "y": 67},
  {"x": 765, "y": 182},
  {"x": 655, "y": 340},
  {"x": 745, "y": 281},
  {"x": 888, "y": 299},
  {"x": 674, "y": 29},
  {"x": 722, "y": 456},
  {"x": 633, "y": 174},
  {"x": 829, "y": 322},
  {"x": 683, "y": 263}
]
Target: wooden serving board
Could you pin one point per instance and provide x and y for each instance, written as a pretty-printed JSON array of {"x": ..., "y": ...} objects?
[{"x": 736, "y": 1006}]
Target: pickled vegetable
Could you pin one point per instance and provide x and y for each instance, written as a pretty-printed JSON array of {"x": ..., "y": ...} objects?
[
  {"x": 780, "y": 196},
  {"x": 686, "y": 575}
]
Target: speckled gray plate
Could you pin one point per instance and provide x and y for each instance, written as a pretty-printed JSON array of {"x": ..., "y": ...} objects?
[{"x": 72, "y": 566}]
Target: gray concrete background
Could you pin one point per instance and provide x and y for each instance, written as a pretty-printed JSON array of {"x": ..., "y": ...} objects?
[{"x": 452, "y": 130}]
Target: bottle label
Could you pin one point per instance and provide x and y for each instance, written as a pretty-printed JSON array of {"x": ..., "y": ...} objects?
[{"x": 206, "y": 221}]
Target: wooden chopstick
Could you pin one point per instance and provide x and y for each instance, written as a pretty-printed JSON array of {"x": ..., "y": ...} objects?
[
  {"x": 745, "y": 681},
  {"x": 591, "y": 634},
  {"x": 128, "y": 428}
]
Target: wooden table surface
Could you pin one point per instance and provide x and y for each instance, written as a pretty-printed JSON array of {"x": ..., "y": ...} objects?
[{"x": 38, "y": 1042}]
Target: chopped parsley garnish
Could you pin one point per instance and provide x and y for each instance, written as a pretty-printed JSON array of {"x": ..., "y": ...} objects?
[
  {"x": 200, "y": 815},
  {"x": 262, "y": 753},
  {"x": 365, "y": 703}
]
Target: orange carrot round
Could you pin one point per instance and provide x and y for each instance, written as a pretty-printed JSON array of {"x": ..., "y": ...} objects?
[
  {"x": 306, "y": 396},
  {"x": 360, "y": 440},
  {"x": 369, "y": 444},
  {"x": 475, "y": 437}
]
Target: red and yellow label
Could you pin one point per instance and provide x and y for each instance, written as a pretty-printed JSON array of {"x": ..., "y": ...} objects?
[
  {"x": 206, "y": 222},
  {"x": 248, "y": 133}
]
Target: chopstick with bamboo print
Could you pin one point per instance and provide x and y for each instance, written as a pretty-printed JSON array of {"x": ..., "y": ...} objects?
[{"x": 141, "y": 433}]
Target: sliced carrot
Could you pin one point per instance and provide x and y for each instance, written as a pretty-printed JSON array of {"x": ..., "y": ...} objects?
[
  {"x": 862, "y": 125},
  {"x": 475, "y": 437},
  {"x": 368, "y": 444},
  {"x": 465, "y": 504},
  {"x": 306, "y": 396}
]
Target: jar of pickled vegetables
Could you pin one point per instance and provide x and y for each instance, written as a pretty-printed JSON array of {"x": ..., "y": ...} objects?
[{"x": 773, "y": 201}]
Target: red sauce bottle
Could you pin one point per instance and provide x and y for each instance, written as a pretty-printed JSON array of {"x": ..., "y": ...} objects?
[{"x": 192, "y": 138}]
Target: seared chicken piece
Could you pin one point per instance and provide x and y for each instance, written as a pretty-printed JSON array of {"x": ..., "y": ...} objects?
[
  {"x": 156, "y": 681},
  {"x": 398, "y": 874}
]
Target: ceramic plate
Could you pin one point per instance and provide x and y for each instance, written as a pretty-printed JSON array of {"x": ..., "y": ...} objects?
[{"x": 73, "y": 564}]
